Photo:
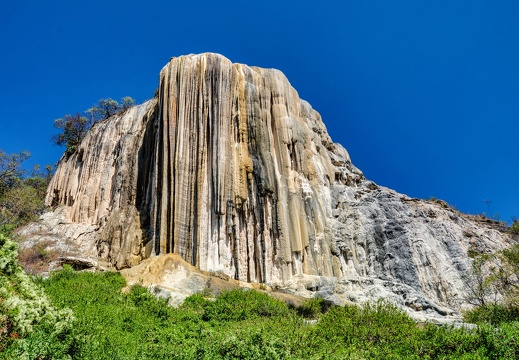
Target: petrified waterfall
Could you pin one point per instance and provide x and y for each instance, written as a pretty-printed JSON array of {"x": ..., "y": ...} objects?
[
  {"x": 239, "y": 172},
  {"x": 230, "y": 169}
]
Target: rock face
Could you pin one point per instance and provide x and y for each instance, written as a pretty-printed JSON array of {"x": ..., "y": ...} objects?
[{"x": 228, "y": 168}]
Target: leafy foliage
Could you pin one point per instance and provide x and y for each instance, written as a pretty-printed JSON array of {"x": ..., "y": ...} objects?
[
  {"x": 313, "y": 308},
  {"x": 32, "y": 326},
  {"x": 21, "y": 198},
  {"x": 241, "y": 324},
  {"x": 239, "y": 305},
  {"x": 109, "y": 107},
  {"x": 126, "y": 103},
  {"x": 103, "y": 109},
  {"x": 481, "y": 289},
  {"x": 514, "y": 228},
  {"x": 20, "y": 205},
  {"x": 496, "y": 275},
  {"x": 495, "y": 287},
  {"x": 74, "y": 127},
  {"x": 10, "y": 170},
  {"x": 494, "y": 314}
]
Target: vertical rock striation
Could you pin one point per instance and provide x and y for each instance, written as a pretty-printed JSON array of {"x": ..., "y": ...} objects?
[
  {"x": 231, "y": 170},
  {"x": 239, "y": 165}
]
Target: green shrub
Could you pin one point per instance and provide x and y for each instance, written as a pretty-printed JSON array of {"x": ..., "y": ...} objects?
[
  {"x": 313, "y": 308},
  {"x": 242, "y": 324},
  {"x": 239, "y": 305},
  {"x": 32, "y": 326},
  {"x": 73, "y": 128},
  {"x": 494, "y": 314},
  {"x": 514, "y": 229}
]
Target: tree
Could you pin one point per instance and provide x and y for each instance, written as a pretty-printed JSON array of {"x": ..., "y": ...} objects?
[
  {"x": 126, "y": 103},
  {"x": 74, "y": 130},
  {"x": 481, "y": 286},
  {"x": 495, "y": 276},
  {"x": 109, "y": 107},
  {"x": 10, "y": 171},
  {"x": 514, "y": 228},
  {"x": 507, "y": 274},
  {"x": 21, "y": 198},
  {"x": 20, "y": 205}
]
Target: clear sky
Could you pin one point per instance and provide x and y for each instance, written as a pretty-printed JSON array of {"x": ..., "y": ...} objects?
[{"x": 423, "y": 94}]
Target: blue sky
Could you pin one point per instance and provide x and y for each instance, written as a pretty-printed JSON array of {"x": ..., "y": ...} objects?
[{"x": 423, "y": 94}]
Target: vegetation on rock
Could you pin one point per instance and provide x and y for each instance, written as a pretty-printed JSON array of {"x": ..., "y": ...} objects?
[
  {"x": 495, "y": 286},
  {"x": 514, "y": 228},
  {"x": 108, "y": 107},
  {"x": 74, "y": 127}
]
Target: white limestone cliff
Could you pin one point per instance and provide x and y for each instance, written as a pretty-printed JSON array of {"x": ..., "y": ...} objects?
[{"x": 231, "y": 170}]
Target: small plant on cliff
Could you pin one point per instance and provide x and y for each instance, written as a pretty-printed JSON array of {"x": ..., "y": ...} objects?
[
  {"x": 108, "y": 107},
  {"x": 126, "y": 103},
  {"x": 514, "y": 228},
  {"x": 74, "y": 127}
]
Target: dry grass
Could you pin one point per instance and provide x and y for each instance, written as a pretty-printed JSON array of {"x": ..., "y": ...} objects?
[{"x": 36, "y": 260}]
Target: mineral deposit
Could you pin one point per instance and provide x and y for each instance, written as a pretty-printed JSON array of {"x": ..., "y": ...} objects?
[{"x": 229, "y": 169}]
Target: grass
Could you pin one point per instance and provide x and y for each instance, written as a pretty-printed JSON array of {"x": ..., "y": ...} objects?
[
  {"x": 251, "y": 325},
  {"x": 36, "y": 259}
]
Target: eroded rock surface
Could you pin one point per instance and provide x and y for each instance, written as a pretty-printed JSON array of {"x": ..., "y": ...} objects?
[{"x": 232, "y": 171}]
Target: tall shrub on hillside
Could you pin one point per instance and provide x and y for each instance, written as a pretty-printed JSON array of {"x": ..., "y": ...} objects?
[{"x": 495, "y": 287}]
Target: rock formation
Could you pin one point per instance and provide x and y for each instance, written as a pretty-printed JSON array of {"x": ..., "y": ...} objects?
[{"x": 229, "y": 169}]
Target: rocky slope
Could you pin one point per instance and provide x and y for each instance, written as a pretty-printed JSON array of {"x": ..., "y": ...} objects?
[{"x": 228, "y": 168}]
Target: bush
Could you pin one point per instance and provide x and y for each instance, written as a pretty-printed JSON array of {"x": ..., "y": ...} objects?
[
  {"x": 494, "y": 314},
  {"x": 21, "y": 198},
  {"x": 32, "y": 327},
  {"x": 36, "y": 259},
  {"x": 75, "y": 127},
  {"x": 239, "y": 305},
  {"x": 242, "y": 324},
  {"x": 313, "y": 308}
]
